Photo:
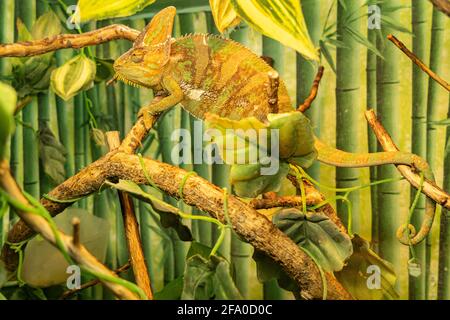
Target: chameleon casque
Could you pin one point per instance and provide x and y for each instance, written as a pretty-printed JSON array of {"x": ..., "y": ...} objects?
[{"x": 210, "y": 74}]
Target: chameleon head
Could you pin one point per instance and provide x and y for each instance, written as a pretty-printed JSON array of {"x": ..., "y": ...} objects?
[{"x": 143, "y": 65}]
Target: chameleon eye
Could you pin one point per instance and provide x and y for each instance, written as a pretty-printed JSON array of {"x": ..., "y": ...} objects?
[{"x": 137, "y": 58}]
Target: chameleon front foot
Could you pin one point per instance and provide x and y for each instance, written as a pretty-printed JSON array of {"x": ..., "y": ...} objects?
[{"x": 147, "y": 116}]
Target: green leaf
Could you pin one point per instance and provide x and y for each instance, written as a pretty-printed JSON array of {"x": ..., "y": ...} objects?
[
  {"x": 46, "y": 25},
  {"x": 327, "y": 54},
  {"x": 52, "y": 154},
  {"x": 171, "y": 291},
  {"x": 239, "y": 138},
  {"x": 225, "y": 17},
  {"x": 198, "y": 248},
  {"x": 354, "y": 276},
  {"x": 208, "y": 279},
  {"x": 168, "y": 214},
  {"x": 280, "y": 20},
  {"x": 317, "y": 234},
  {"x": 358, "y": 37},
  {"x": 74, "y": 76},
  {"x": 8, "y": 102},
  {"x": 88, "y": 10},
  {"x": 247, "y": 180}
]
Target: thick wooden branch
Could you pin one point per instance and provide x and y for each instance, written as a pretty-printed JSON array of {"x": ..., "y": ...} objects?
[
  {"x": 77, "y": 251},
  {"x": 253, "y": 227},
  {"x": 431, "y": 190},
  {"x": 134, "y": 244},
  {"x": 64, "y": 41}
]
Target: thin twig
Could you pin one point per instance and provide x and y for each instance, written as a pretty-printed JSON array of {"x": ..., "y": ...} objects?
[
  {"x": 76, "y": 231},
  {"x": 92, "y": 283},
  {"x": 418, "y": 62},
  {"x": 63, "y": 41},
  {"x": 40, "y": 225},
  {"x": 442, "y": 5},
  {"x": 314, "y": 90},
  {"x": 131, "y": 226}
]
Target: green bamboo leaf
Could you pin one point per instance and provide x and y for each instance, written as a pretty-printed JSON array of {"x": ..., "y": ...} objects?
[
  {"x": 388, "y": 22},
  {"x": 208, "y": 279},
  {"x": 225, "y": 17},
  {"x": 358, "y": 37},
  {"x": 354, "y": 276},
  {"x": 8, "y": 100},
  {"x": 88, "y": 10},
  {"x": 168, "y": 214},
  {"x": 105, "y": 70},
  {"x": 52, "y": 154},
  {"x": 23, "y": 34},
  {"x": 74, "y": 76},
  {"x": 3, "y": 274},
  {"x": 280, "y": 20},
  {"x": 317, "y": 234},
  {"x": 327, "y": 55}
]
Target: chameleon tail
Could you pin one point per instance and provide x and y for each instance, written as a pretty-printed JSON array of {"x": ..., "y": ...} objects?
[{"x": 339, "y": 158}]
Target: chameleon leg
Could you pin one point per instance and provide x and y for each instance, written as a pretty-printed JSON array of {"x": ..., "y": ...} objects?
[
  {"x": 175, "y": 96},
  {"x": 406, "y": 233}
]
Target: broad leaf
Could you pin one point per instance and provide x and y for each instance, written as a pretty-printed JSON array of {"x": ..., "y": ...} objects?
[
  {"x": 317, "y": 234},
  {"x": 8, "y": 100},
  {"x": 208, "y": 279},
  {"x": 280, "y": 20},
  {"x": 171, "y": 291},
  {"x": 3, "y": 274},
  {"x": 74, "y": 76},
  {"x": 104, "y": 9},
  {"x": 52, "y": 154},
  {"x": 225, "y": 17},
  {"x": 247, "y": 180},
  {"x": 45, "y": 266},
  {"x": 105, "y": 70},
  {"x": 168, "y": 214},
  {"x": 355, "y": 275}
]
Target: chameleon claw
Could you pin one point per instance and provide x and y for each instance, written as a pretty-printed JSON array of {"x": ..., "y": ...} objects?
[{"x": 147, "y": 116}]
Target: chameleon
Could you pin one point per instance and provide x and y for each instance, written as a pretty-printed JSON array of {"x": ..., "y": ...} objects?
[{"x": 211, "y": 74}]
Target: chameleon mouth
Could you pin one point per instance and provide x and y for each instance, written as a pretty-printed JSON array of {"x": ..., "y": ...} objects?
[{"x": 120, "y": 77}]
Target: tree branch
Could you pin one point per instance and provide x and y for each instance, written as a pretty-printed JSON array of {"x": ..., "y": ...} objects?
[
  {"x": 430, "y": 189},
  {"x": 313, "y": 93},
  {"x": 247, "y": 222},
  {"x": 418, "y": 62},
  {"x": 64, "y": 41},
  {"x": 134, "y": 243},
  {"x": 77, "y": 251}
]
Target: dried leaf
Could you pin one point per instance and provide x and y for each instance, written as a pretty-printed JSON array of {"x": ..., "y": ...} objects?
[{"x": 52, "y": 154}]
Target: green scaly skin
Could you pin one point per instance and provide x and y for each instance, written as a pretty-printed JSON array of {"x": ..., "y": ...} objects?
[{"x": 210, "y": 74}]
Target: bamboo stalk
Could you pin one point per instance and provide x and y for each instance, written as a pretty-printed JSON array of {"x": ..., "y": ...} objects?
[
  {"x": 306, "y": 72},
  {"x": 30, "y": 117},
  {"x": 434, "y": 148},
  {"x": 16, "y": 149},
  {"x": 348, "y": 91},
  {"x": 371, "y": 103},
  {"x": 420, "y": 28}
]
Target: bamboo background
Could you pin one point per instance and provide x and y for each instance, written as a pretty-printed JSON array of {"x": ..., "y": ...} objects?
[{"x": 403, "y": 96}]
